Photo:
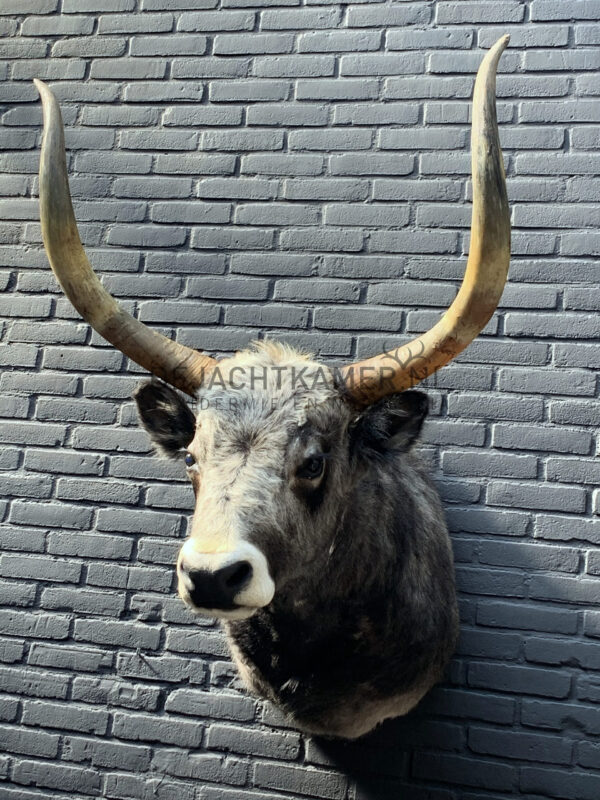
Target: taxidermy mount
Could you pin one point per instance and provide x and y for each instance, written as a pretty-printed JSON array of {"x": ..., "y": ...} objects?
[{"x": 317, "y": 538}]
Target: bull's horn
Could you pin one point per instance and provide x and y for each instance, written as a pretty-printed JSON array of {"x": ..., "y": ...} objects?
[
  {"x": 487, "y": 266},
  {"x": 180, "y": 366}
]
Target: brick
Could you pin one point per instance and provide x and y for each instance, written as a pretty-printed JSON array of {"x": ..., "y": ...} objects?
[
  {"x": 84, "y": 601},
  {"x": 489, "y": 644},
  {"x": 90, "y": 47},
  {"x": 562, "y": 529},
  {"x": 126, "y": 634},
  {"x": 529, "y": 409},
  {"x": 339, "y": 41},
  {"x": 258, "y": 743},
  {"x": 209, "y": 68},
  {"x": 557, "y": 716},
  {"x": 188, "y": 44},
  {"x": 17, "y": 594},
  {"x": 336, "y": 90},
  {"x": 36, "y": 743},
  {"x": 529, "y": 556},
  {"x": 536, "y": 437},
  {"x": 217, "y": 21},
  {"x": 55, "y": 776},
  {"x": 554, "y": 10},
  {"x": 469, "y": 704},
  {"x": 587, "y": 688},
  {"x": 522, "y": 746},
  {"x": 460, "y": 770},
  {"x": 40, "y": 568},
  {"x": 144, "y": 727},
  {"x": 495, "y": 465},
  {"x": 319, "y": 189},
  {"x": 138, "y": 521},
  {"x": 316, "y": 783},
  {"x": 9, "y": 708},
  {"x": 190, "y": 641},
  {"x": 213, "y": 706},
  {"x": 503, "y": 583},
  {"x": 27, "y": 540},
  {"x": 76, "y": 6},
  {"x": 573, "y": 412},
  {"x": 572, "y": 590},
  {"x": 106, "y": 754},
  {"x": 572, "y": 470},
  {"x": 136, "y": 23},
  {"x": 525, "y": 680},
  {"x": 34, "y": 683},
  {"x": 62, "y": 515},
  {"x": 392, "y": 16},
  {"x": 537, "y": 496},
  {"x": 68, "y": 716},
  {"x": 499, "y": 614},
  {"x": 115, "y": 693},
  {"x": 96, "y": 491},
  {"x": 559, "y": 783},
  {"x": 298, "y": 19},
  {"x": 164, "y": 668},
  {"x": 69, "y": 657}
]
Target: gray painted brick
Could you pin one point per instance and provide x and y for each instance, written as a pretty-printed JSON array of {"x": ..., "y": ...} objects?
[
  {"x": 35, "y": 743},
  {"x": 109, "y": 692},
  {"x": 317, "y": 783},
  {"x": 126, "y": 634},
  {"x": 528, "y": 680},
  {"x": 526, "y": 746},
  {"x": 54, "y": 776},
  {"x": 61, "y": 515},
  {"x": 90, "y": 47},
  {"x": 538, "y": 496},
  {"x": 106, "y": 754},
  {"x": 144, "y": 727},
  {"x": 535, "y": 437},
  {"x": 554, "y": 10},
  {"x": 62, "y": 715},
  {"x": 470, "y": 12},
  {"x": 40, "y": 568},
  {"x": 33, "y": 682},
  {"x": 199, "y": 703},
  {"x": 499, "y": 614},
  {"x": 84, "y": 601},
  {"x": 68, "y": 657},
  {"x": 563, "y": 529}
]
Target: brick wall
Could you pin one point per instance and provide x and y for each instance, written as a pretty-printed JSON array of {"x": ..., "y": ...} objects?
[{"x": 297, "y": 169}]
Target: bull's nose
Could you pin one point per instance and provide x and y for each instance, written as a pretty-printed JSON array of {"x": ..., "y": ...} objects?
[{"x": 219, "y": 588}]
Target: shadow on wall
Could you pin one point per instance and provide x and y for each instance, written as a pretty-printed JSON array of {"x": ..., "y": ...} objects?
[{"x": 391, "y": 762}]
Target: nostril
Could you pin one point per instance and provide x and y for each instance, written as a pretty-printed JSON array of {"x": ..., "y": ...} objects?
[
  {"x": 219, "y": 589},
  {"x": 236, "y": 575}
]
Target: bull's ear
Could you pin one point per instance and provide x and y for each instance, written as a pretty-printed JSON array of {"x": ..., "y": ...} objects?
[
  {"x": 166, "y": 416},
  {"x": 392, "y": 424}
]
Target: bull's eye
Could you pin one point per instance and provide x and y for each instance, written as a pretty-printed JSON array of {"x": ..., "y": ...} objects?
[
  {"x": 189, "y": 460},
  {"x": 312, "y": 468}
]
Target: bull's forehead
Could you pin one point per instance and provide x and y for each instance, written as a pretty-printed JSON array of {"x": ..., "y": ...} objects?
[{"x": 264, "y": 394}]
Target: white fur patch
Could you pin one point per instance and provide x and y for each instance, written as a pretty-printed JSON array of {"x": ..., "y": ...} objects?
[
  {"x": 256, "y": 594},
  {"x": 246, "y": 410}
]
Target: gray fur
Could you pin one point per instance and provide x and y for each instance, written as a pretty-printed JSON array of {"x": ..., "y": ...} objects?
[{"x": 363, "y": 618}]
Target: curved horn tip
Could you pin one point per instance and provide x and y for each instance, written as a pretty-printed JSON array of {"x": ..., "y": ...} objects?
[
  {"x": 499, "y": 47},
  {"x": 41, "y": 86}
]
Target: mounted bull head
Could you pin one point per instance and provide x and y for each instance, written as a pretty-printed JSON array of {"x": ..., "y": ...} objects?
[{"x": 317, "y": 535}]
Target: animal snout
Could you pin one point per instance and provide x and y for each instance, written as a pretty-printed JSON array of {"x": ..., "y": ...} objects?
[
  {"x": 231, "y": 584},
  {"x": 219, "y": 589}
]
